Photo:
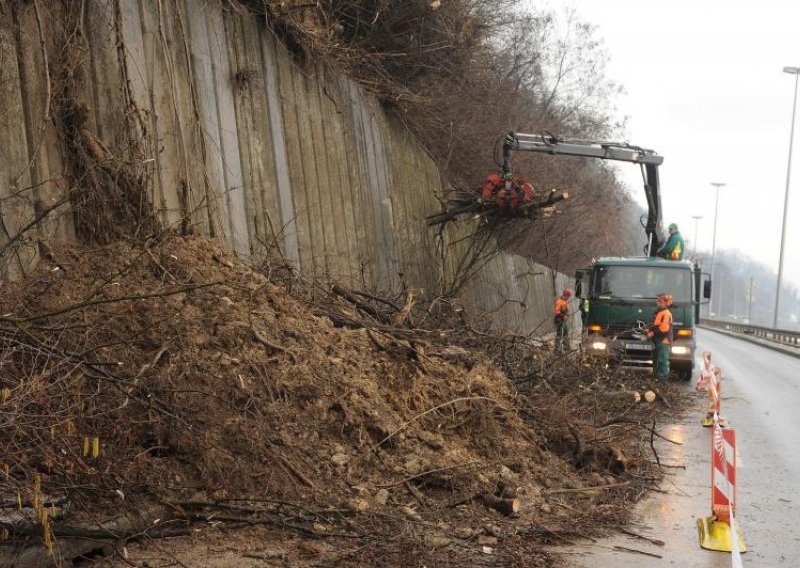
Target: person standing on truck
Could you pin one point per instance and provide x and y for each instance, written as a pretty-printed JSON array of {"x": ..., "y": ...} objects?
[
  {"x": 561, "y": 321},
  {"x": 661, "y": 334},
  {"x": 674, "y": 248},
  {"x": 584, "y": 311}
]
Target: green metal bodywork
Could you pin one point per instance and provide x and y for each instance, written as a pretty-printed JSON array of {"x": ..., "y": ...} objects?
[
  {"x": 607, "y": 311},
  {"x": 620, "y": 315}
]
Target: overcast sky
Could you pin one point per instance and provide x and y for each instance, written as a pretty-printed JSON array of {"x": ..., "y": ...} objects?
[{"x": 705, "y": 88}]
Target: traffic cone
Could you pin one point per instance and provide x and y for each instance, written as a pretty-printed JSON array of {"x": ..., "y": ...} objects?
[
  {"x": 720, "y": 531},
  {"x": 711, "y": 380}
]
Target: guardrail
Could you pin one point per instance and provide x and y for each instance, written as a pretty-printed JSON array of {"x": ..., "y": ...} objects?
[{"x": 783, "y": 336}]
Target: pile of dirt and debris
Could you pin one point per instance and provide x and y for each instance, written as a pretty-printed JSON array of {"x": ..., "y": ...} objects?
[{"x": 151, "y": 390}]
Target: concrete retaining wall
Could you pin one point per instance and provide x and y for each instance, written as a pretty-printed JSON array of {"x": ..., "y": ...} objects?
[{"x": 241, "y": 144}]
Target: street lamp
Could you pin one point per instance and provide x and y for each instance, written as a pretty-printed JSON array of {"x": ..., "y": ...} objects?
[
  {"x": 694, "y": 242},
  {"x": 714, "y": 241},
  {"x": 796, "y": 72}
]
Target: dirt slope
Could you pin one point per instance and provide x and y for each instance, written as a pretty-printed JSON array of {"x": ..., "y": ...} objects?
[{"x": 214, "y": 394}]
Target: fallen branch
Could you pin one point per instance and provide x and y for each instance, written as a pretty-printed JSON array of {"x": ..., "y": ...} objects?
[{"x": 267, "y": 343}]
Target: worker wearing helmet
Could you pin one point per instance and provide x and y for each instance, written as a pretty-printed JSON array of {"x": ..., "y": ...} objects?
[
  {"x": 674, "y": 248},
  {"x": 561, "y": 319},
  {"x": 661, "y": 334}
]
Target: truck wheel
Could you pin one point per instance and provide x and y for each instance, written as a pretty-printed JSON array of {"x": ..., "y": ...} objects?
[{"x": 684, "y": 373}]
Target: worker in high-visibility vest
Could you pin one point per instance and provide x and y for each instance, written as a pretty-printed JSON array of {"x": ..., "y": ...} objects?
[
  {"x": 584, "y": 311},
  {"x": 674, "y": 248},
  {"x": 661, "y": 334},
  {"x": 561, "y": 320}
]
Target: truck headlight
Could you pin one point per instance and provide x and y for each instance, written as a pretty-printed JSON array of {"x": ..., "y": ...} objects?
[
  {"x": 680, "y": 350},
  {"x": 599, "y": 345}
]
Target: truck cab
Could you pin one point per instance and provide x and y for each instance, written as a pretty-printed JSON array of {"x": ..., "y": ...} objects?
[{"x": 622, "y": 294}]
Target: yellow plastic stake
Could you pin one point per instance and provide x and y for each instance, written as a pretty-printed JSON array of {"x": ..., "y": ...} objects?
[
  {"x": 95, "y": 447},
  {"x": 4, "y": 534},
  {"x": 6, "y": 394},
  {"x": 85, "y": 446},
  {"x": 70, "y": 427},
  {"x": 19, "y": 501}
]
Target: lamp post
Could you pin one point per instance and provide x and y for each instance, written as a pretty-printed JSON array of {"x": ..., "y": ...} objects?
[
  {"x": 796, "y": 72},
  {"x": 694, "y": 242},
  {"x": 717, "y": 185}
]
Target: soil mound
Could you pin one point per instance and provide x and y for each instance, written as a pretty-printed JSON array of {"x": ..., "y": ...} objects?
[{"x": 172, "y": 381}]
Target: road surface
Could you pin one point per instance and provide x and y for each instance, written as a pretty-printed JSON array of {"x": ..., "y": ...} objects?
[{"x": 761, "y": 397}]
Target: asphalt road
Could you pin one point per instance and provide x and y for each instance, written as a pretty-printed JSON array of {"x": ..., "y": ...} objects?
[{"x": 760, "y": 399}]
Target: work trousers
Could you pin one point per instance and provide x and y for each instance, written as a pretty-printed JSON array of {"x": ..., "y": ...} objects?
[
  {"x": 562, "y": 337},
  {"x": 661, "y": 367}
]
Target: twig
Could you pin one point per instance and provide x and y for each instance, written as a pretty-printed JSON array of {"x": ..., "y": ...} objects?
[
  {"x": 264, "y": 341},
  {"x": 637, "y": 535},
  {"x": 418, "y": 416},
  {"x": 634, "y": 551},
  {"x": 112, "y": 299}
]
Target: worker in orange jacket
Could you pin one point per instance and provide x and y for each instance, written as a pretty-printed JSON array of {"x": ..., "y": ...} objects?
[
  {"x": 561, "y": 320},
  {"x": 661, "y": 334}
]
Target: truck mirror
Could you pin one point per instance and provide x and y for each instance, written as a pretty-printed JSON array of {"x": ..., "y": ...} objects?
[{"x": 707, "y": 290}]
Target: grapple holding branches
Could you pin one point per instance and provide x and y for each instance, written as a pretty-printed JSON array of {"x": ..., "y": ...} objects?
[{"x": 502, "y": 196}]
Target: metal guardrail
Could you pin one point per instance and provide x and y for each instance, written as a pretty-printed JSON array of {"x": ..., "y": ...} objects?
[{"x": 783, "y": 336}]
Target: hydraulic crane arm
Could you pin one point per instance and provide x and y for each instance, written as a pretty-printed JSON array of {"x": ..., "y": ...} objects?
[{"x": 648, "y": 160}]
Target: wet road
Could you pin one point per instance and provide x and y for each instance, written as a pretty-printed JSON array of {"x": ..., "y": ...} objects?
[{"x": 761, "y": 397}]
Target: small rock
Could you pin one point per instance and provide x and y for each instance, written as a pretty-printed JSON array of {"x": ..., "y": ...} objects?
[
  {"x": 545, "y": 508},
  {"x": 412, "y": 513},
  {"x": 465, "y": 533},
  {"x": 360, "y": 504},
  {"x": 435, "y": 441},
  {"x": 493, "y": 530},
  {"x": 486, "y": 549},
  {"x": 436, "y": 541},
  {"x": 382, "y": 497},
  {"x": 228, "y": 301},
  {"x": 339, "y": 459}
]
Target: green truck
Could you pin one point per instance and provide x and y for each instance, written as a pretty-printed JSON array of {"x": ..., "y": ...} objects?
[
  {"x": 622, "y": 295},
  {"x": 622, "y": 291}
]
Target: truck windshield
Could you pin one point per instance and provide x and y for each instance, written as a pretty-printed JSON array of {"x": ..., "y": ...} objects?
[{"x": 643, "y": 282}]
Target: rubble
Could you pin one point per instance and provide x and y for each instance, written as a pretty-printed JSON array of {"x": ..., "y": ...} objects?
[{"x": 216, "y": 397}]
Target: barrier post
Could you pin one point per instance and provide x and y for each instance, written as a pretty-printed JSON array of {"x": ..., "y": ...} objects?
[
  {"x": 711, "y": 379},
  {"x": 720, "y": 531}
]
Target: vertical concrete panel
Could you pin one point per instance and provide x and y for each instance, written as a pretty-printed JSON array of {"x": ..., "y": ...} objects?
[
  {"x": 186, "y": 121},
  {"x": 306, "y": 159},
  {"x": 228, "y": 135},
  {"x": 335, "y": 112},
  {"x": 288, "y": 223},
  {"x": 205, "y": 91},
  {"x": 105, "y": 79},
  {"x": 371, "y": 151},
  {"x": 161, "y": 84},
  {"x": 364, "y": 221},
  {"x": 15, "y": 209},
  {"x": 294, "y": 154},
  {"x": 47, "y": 185},
  {"x": 328, "y": 219},
  {"x": 253, "y": 127},
  {"x": 324, "y": 120}
]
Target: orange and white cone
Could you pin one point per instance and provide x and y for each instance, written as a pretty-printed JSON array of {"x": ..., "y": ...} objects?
[
  {"x": 711, "y": 380},
  {"x": 720, "y": 531}
]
